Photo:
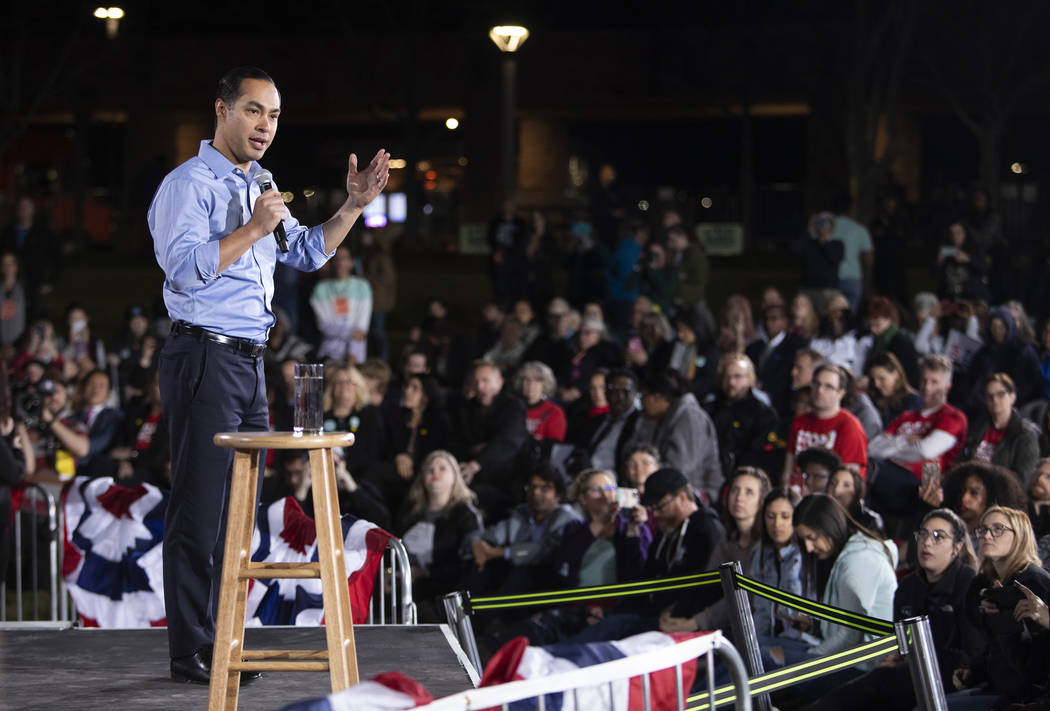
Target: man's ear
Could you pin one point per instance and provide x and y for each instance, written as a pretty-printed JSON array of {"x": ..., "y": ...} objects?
[{"x": 220, "y": 109}]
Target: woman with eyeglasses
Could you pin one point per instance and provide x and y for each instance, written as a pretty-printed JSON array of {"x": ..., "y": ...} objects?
[
  {"x": 1001, "y": 435},
  {"x": 937, "y": 588},
  {"x": 1007, "y": 603}
]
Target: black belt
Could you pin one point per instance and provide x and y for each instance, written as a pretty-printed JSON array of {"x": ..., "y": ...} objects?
[{"x": 239, "y": 345}]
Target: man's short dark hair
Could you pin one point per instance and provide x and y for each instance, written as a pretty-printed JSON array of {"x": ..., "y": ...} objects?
[
  {"x": 230, "y": 84},
  {"x": 622, "y": 373},
  {"x": 668, "y": 383},
  {"x": 550, "y": 474},
  {"x": 819, "y": 455},
  {"x": 839, "y": 372}
]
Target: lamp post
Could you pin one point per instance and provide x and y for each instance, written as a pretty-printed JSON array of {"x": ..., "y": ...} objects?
[
  {"x": 112, "y": 17},
  {"x": 509, "y": 38}
]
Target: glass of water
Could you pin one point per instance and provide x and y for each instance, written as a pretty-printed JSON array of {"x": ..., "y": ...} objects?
[{"x": 309, "y": 391}]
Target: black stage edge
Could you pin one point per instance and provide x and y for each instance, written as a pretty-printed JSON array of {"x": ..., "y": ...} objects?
[{"x": 43, "y": 667}]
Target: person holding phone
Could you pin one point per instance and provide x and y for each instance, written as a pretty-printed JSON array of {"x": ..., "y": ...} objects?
[{"x": 1007, "y": 603}]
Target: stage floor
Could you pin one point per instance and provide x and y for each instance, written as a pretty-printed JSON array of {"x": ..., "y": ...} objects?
[{"x": 42, "y": 667}]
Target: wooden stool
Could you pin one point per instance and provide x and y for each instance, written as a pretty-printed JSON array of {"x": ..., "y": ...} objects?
[{"x": 229, "y": 657}]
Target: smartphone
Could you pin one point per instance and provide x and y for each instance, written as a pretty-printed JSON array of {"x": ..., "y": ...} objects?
[
  {"x": 949, "y": 251},
  {"x": 627, "y": 498},
  {"x": 931, "y": 473},
  {"x": 635, "y": 345}
]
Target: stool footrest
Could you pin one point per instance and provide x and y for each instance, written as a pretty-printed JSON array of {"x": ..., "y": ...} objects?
[
  {"x": 280, "y": 570},
  {"x": 251, "y": 654},
  {"x": 319, "y": 666}
]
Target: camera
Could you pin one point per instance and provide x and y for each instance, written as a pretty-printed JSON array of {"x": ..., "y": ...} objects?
[
  {"x": 27, "y": 404},
  {"x": 1005, "y": 598}
]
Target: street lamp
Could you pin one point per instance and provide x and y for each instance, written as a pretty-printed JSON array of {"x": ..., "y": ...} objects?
[{"x": 509, "y": 38}]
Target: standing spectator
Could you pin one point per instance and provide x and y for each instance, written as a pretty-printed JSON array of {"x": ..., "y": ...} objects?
[
  {"x": 35, "y": 245},
  {"x": 690, "y": 258},
  {"x": 858, "y": 254},
  {"x": 506, "y": 236},
  {"x": 890, "y": 232},
  {"x": 821, "y": 255},
  {"x": 343, "y": 307},
  {"x": 623, "y": 277},
  {"x": 381, "y": 273},
  {"x": 937, "y": 431},
  {"x": 961, "y": 266},
  {"x": 1000, "y": 435},
  {"x": 543, "y": 419},
  {"x": 81, "y": 354},
  {"x": 13, "y": 305},
  {"x": 681, "y": 431},
  {"x": 438, "y": 524},
  {"x": 746, "y": 426},
  {"x": 827, "y": 425}
]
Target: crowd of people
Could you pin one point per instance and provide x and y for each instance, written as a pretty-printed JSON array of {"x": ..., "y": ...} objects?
[{"x": 886, "y": 457}]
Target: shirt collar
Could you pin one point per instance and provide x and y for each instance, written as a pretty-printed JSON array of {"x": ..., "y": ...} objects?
[{"x": 219, "y": 164}]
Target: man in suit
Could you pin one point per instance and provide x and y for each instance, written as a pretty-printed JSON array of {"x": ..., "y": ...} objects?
[
  {"x": 605, "y": 438},
  {"x": 774, "y": 358}
]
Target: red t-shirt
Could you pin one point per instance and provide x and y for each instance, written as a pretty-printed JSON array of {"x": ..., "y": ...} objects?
[
  {"x": 990, "y": 443},
  {"x": 912, "y": 423},
  {"x": 546, "y": 421},
  {"x": 146, "y": 432},
  {"x": 841, "y": 433}
]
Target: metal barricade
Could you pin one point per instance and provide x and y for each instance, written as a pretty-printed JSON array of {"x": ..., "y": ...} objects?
[
  {"x": 28, "y": 518},
  {"x": 395, "y": 575}
]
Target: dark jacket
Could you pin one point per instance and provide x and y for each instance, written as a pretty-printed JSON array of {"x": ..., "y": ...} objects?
[
  {"x": 747, "y": 432},
  {"x": 820, "y": 261},
  {"x": 901, "y": 346},
  {"x": 101, "y": 436},
  {"x": 631, "y": 551},
  {"x": 490, "y": 435},
  {"x": 1014, "y": 356},
  {"x": 1018, "y": 451},
  {"x": 434, "y": 432},
  {"x": 774, "y": 374},
  {"x": 1008, "y": 655},
  {"x": 593, "y": 432},
  {"x": 944, "y": 602},
  {"x": 369, "y": 439},
  {"x": 454, "y": 531}
]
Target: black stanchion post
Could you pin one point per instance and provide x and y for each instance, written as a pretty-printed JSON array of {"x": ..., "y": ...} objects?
[
  {"x": 743, "y": 626},
  {"x": 459, "y": 620},
  {"x": 915, "y": 639}
]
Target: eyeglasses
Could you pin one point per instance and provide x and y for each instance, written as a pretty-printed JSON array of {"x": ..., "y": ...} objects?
[
  {"x": 661, "y": 505},
  {"x": 619, "y": 388},
  {"x": 996, "y": 529},
  {"x": 815, "y": 477},
  {"x": 599, "y": 490},
  {"x": 938, "y": 536}
]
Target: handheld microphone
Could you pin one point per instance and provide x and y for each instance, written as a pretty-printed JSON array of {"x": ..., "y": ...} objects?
[{"x": 264, "y": 179}]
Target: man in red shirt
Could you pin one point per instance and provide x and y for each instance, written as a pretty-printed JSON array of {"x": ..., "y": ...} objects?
[
  {"x": 827, "y": 425},
  {"x": 935, "y": 433}
]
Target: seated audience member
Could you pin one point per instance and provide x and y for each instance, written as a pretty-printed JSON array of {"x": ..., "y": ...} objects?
[
  {"x": 746, "y": 427},
  {"x": 526, "y": 316},
  {"x": 815, "y": 466},
  {"x": 359, "y": 497},
  {"x": 836, "y": 339},
  {"x": 741, "y": 515},
  {"x": 591, "y": 350},
  {"x": 861, "y": 407},
  {"x": 689, "y": 530},
  {"x": 605, "y": 439},
  {"x": 889, "y": 387},
  {"x": 803, "y": 316},
  {"x": 1000, "y": 435},
  {"x": 736, "y": 325},
  {"x": 827, "y": 424},
  {"x": 508, "y": 350},
  {"x": 650, "y": 349},
  {"x": 135, "y": 356},
  {"x": 803, "y": 366},
  {"x": 40, "y": 344},
  {"x": 515, "y": 555},
  {"x": 776, "y": 562},
  {"x": 99, "y": 425},
  {"x": 846, "y": 487},
  {"x": 422, "y": 428},
  {"x": 16, "y": 461},
  {"x": 887, "y": 336},
  {"x": 937, "y": 432},
  {"x": 489, "y": 430},
  {"x": 853, "y": 569},
  {"x": 695, "y": 354},
  {"x": 543, "y": 418},
  {"x": 1004, "y": 351},
  {"x": 582, "y": 418},
  {"x": 1007, "y": 603},
  {"x": 143, "y": 454},
  {"x": 971, "y": 488},
  {"x": 681, "y": 431},
  {"x": 378, "y": 376},
  {"x": 1039, "y": 506},
  {"x": 550, "y": 345},
  {"x": 640, "y": 463},
  {"x": 347, "y": 409},
  {"x": 283, "y": 344},
  {"x": 609, "y": 544},
  {"x": 937, "y": 589},
  {"x": 438, "y": 524},
  {"x": 774, "y": 358}
]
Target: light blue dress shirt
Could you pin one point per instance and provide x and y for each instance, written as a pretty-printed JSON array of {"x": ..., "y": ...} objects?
[{"x": 199, "y": 203}]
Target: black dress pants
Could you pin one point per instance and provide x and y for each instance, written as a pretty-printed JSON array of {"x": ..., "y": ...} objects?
[{"x": 206, "y": 388}]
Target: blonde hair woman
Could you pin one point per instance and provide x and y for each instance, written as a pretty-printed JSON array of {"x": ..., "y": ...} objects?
[
  {"x": 347, "y": 409},
  {"x": 438, "y": 523}
]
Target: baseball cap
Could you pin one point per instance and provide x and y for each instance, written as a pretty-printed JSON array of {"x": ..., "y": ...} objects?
[{"x": 661, "y": 483}]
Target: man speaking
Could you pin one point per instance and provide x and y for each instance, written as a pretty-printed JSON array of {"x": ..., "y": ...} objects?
[{"x": 213, "y": 234}]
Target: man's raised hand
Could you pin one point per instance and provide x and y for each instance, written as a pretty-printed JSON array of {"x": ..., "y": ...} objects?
[{"x": 363, "y": 186}]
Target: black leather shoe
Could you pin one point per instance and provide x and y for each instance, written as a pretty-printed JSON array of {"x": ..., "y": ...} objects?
[{"x": 196, "y": 668}]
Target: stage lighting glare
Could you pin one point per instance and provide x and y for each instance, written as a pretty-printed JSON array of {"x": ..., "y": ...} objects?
[
  {"x": 452, "y": 124},
  {"x": 508, "y": 37}
]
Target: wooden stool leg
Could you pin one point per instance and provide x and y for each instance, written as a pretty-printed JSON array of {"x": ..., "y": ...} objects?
[
  {"x": 342, "y": 654},
  {"x": 233, "y": 595}
]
